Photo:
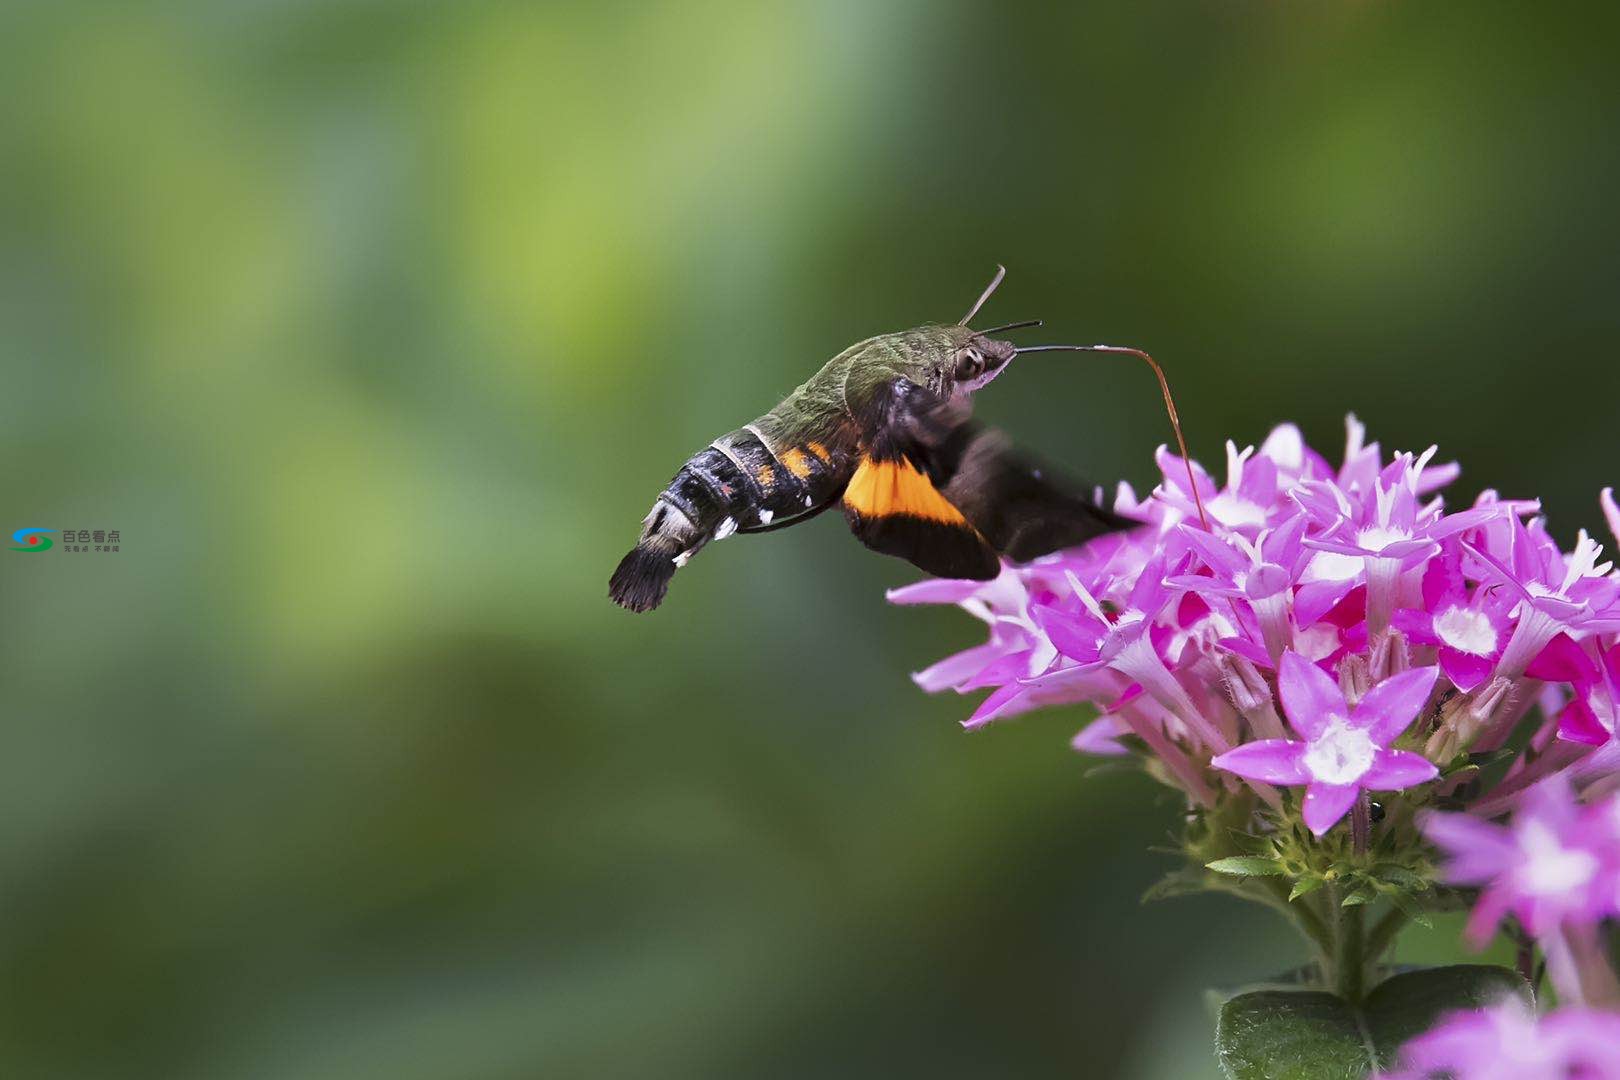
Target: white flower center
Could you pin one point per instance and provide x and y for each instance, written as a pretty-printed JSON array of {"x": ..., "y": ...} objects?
[
  {"x": 1378, "y": 537},
  {"x": 1466, "y": 630},
  {"x": 1550, "y": 868},
  {"x": 1342, "y": 755},
  {"x": 1331, "y": 566},
  {"x": 1231, "y": 510}
]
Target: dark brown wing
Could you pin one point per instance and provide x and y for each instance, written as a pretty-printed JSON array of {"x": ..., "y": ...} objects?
[{"x": 942, "y": 491}]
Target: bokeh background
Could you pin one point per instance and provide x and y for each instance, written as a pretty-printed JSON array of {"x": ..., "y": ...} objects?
[{"x": 374, "y": 328}]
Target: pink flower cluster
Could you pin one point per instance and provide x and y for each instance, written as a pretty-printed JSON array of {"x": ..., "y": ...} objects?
[
  {"x": 1349, "y": 596},
  {"x": 1509, "y": 1042}
]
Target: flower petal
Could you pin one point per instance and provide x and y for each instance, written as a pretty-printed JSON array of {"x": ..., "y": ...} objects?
[
  {"x": 1255, "y": 654},
  {"x": 1309, "y": 697},
  {"x": 1578, "y": 723},
  {"x": 1217, "y": 555},
  {"x": 1465, "y": 670},
  {"x": 1563, "y": 661},
  {"x": 1009, "y": 700},
  {"x": 1079, "y": 637},
  {"x": 1315, "y": 599},
  {"x": 1391, "y": 706},
  {"x": 1466, "y": 519},
  {"x": 1393, "y": 770},
  {"x": 1476, "y": 850},
  {"x": 1267, "y": 580},
  {"x": 1325, "y": 804},
  {"x": 1101, "y": 736},
  {"x": 1276, "y": 761},
  {"x": 936, "y": 591}
]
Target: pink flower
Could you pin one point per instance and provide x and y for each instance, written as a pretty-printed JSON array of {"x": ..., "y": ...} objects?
[
  {"x": 1594, "y": 676},
  {"x": 1508, "y": 1042},
  {"x": 1261, "y": 572},
  {"x": 1386, "y": 526},
  {"x": 1469, "y": 631},
  {"x": 1556, "y": 592},
  {"x": 1176, "y": 631},
  {"x": 1345, "y": 749},
  {"x": 1556, "y": 863}
]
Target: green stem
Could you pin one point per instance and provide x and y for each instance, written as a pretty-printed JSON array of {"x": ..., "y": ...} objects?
[
  {"x": 1349, "y": 954},
  {"x": 1382, "y": 934},
  {"x": 1305, "y": 920}
]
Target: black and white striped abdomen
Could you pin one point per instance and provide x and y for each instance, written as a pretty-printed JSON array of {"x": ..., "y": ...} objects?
[
  {"x": 739, "y": 483},
  {"x": 782, "y": 483}
]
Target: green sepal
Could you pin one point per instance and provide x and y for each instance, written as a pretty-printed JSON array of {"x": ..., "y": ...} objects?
[
  {"x": 1304, "y": 887},
  {"x": 1247, "y": 866},
  {"x": 1366, "y": 894}
]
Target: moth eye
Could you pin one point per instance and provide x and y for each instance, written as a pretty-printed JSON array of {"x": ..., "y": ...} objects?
[{"x": 968, "y": 365}]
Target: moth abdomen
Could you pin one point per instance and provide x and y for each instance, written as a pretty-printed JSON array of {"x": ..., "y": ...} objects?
[
  {"x": 707, "y": 499},
  {"x": 738, "y": 483}
]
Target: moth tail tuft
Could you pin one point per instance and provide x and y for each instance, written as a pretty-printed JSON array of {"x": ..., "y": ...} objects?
[{"x": 642, "y": 578}]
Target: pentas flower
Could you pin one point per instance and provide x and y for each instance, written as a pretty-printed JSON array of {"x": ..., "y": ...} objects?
[
  {"x": 1306, "y": 626},
  {"x": 1176, "y": 631},
  {"x": 1556, "y": 864},
  {"x": 1508, "y": 1042},
  {"x": 1346, "y": 749},
  {"x": 1125, "y": 642},
  {"x": 1016, "y": 645},
  {"x": 1386, "y": 527},
  {"x": 1262, "y": 572},
  {"x": 1593, "y": 674},
  {"x": 1468, "y": 630},
  {"x": 1555, "y": 592}
]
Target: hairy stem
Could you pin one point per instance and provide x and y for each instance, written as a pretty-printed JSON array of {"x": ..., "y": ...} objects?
[
  {"x": 1382, "y": 934},
  {"x": 1305, "y": 920},
  {"x": 1349, "y": 952}
]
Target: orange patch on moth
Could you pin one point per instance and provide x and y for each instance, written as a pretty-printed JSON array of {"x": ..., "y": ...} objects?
[
  {"x": 765, "y": 475},
  {"x": 797, "y": 463},
  {"x": 885, "y": 488},
  {"x": 820, "y": 451}
]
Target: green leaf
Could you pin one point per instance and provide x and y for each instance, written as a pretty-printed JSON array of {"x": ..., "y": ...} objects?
[
  {"x": 1246, "y": 866},
  {"x": 1396, "y": 874},
  {"x": 1409, "y": 907},
  {"x": 1313, "y": 1035},
  {"x": 1364, "y": 894},
  {"x": 1304, "y": 887},
  {"x": 1176, "y": 883}
]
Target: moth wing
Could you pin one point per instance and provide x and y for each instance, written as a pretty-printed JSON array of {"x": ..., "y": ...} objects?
[
  {"x": 892, "y": 506},
  {"x": 1023, "y": 508},
  {"x": 964, "y": 474}
]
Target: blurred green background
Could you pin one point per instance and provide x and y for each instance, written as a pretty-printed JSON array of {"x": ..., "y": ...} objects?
[{"x": 374, "y": 328}]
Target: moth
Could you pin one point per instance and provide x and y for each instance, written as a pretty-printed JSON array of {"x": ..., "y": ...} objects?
[{"x": 883, "y": 430}]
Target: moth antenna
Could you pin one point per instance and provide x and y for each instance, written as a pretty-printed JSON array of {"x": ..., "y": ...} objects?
[
  {"x": 1011, "y": 326},
  {"x": 1164, "y": 388},
  {"x": 1001, "y": 272}
]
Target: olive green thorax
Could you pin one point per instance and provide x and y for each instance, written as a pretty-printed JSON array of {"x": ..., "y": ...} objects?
[{"x": 945, "y": 359}]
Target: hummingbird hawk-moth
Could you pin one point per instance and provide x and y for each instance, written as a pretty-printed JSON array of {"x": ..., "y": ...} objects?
[{"x": 884, "y": 430}]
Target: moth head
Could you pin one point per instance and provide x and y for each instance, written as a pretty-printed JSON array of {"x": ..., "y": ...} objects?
[
  {"x": 973, "y": 357},
  {"x": 976, "y": 361}
]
